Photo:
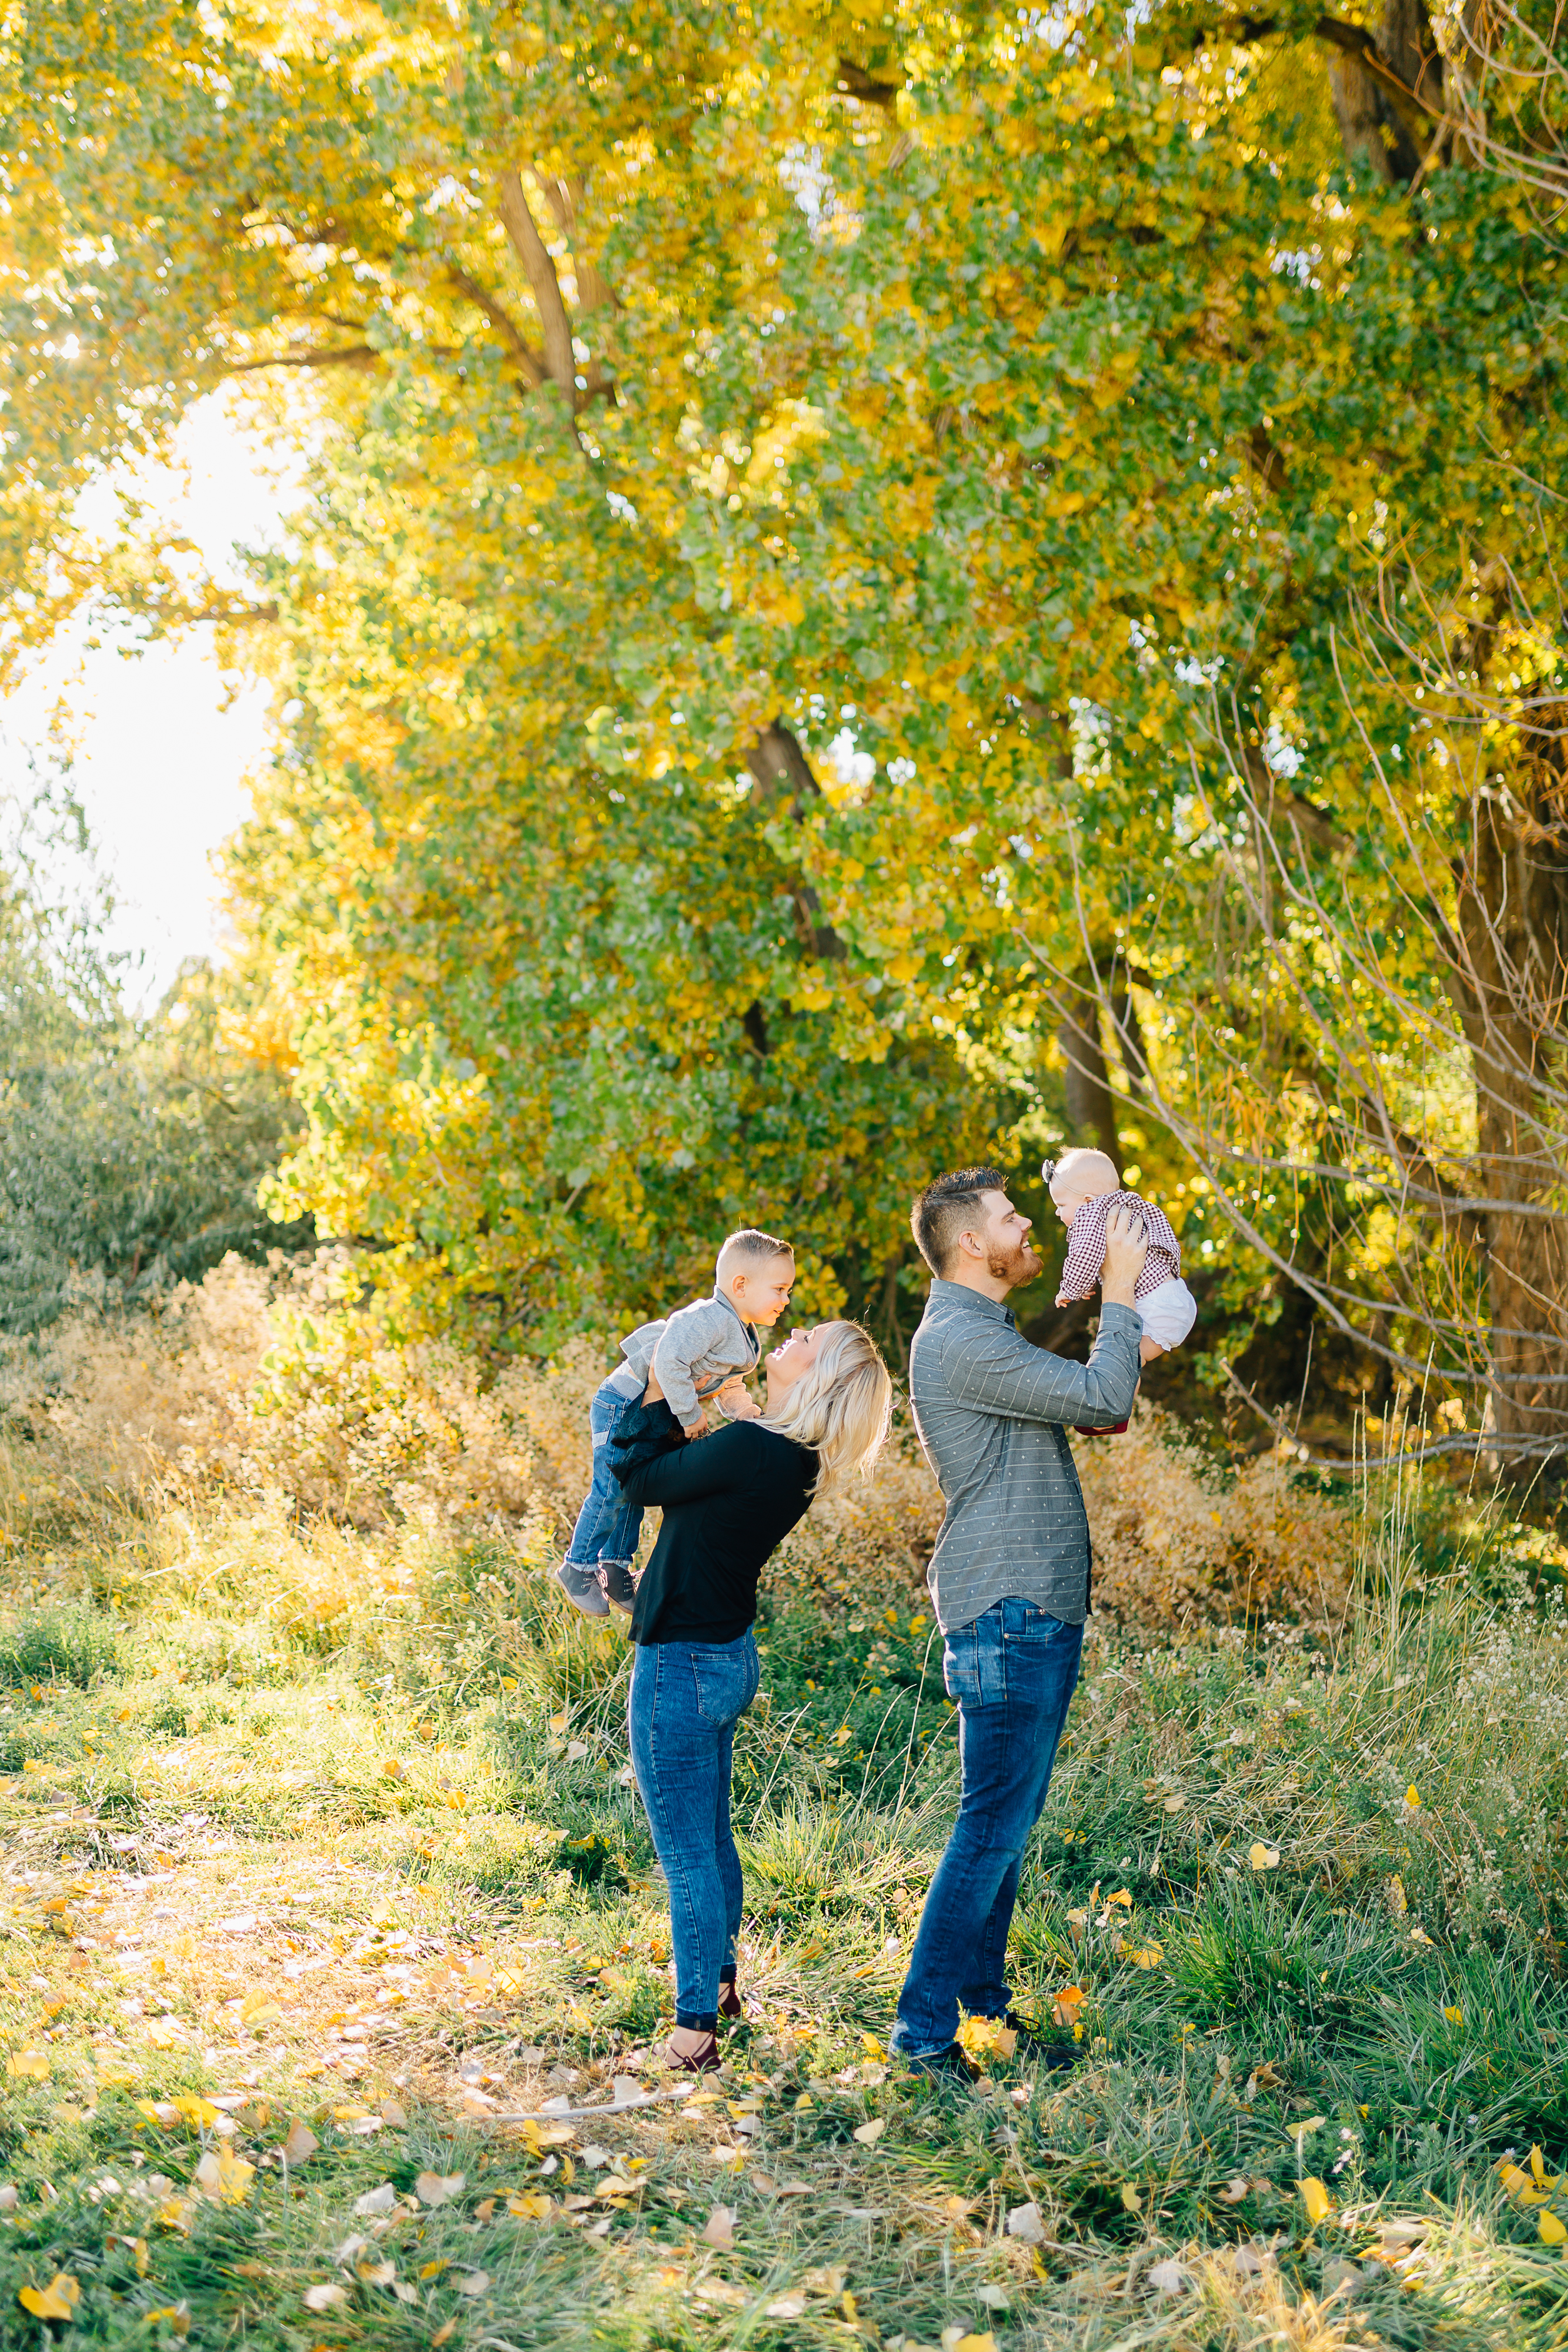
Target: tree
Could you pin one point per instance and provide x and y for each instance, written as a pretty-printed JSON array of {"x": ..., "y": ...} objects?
[
  {"x": 779, "y": 480},
  {"x": 129, "y": 1149}
]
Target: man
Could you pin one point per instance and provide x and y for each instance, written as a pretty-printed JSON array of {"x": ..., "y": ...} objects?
[{"x": 1010, "y": 1576}]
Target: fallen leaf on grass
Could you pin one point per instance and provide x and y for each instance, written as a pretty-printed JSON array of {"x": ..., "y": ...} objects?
[
  {"x": 223, "y": 2178},
  {"x": 1263, "y": 1857},
  {"x": 1024, "y": 2222},
  {"x": 471, "y": 2282},
  {"x": 447, "y": 2329},
  {"x": 995, "y": 2298},
  {"x": 954, "y": 2340},
  {"x": 1552, "y": 2233},
  {"x": 381, "y": 2274},
  {"x": 1168, "y": 2278},
  {"x": 1235, "y": 2190},
  {"x": 59, "y": 2300},
  {"x": 376, "y": 2200},
  {"x": 869, "y": 2134},
  {"x": 176, "y": 2315},
  {"x": 30, "y": 2065},
  {"x": 1316, "y": 2200},
  {"x": 788, "y": 2306},
  {"x": 1131, "y": 2197},
  {"x": 829, "y": 2281},
  {"x": 328, "y": 2296},
  {"x": 438, "y": 2188},
  {"x": 720, "y": 2229},
  {"x": 1175, "y": 1804},
  {"x": 1142, "y": 1956},
  {"x": 301, "y": 2143},
  {"x": 531, "y": 2206}
]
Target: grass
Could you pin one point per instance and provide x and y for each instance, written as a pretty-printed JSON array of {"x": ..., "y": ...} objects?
[{"x": 320, "y": 1857}]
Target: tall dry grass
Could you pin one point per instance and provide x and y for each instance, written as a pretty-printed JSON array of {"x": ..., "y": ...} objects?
[{"x": 267, "y": 1387}]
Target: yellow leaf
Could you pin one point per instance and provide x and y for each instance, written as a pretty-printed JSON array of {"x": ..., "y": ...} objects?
[
  {"x": 531, "y": 2207},
  {"x": 558, "y": 1723},
  {"x": 1263, "y": 1857},
  {"x": 1515, "y": 2181},
  {"x": 31, "y": 2064},
  {"x": 1550, "y": 2229},
  {"x": 1538, "y": 2165},
  {"x": 1454, "y": 2016},
  {"x": 1413, "y": 1798},
  {"x": 1131, "y": 2199},
  {"x": 177, "y": 2316},
  {"x": 869, "y": 2134},
  {"x": 873, "y": 2048},
  {"x": 1316, "y": 2200},
  {"x": 841, "y": 1734},
  {"x": 1142, "y": 1956},
  {"x": 391, "y": 1769},
  {"x": 200, "y": 2112},
  {"x": 59, "y": 2300},
  {"x": 986, "y": 2343}
]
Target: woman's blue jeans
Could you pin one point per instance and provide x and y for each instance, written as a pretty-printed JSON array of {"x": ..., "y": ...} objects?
[
  {"x": 686, "y": 1699},
  {"x": 1012, "y": 1675}
]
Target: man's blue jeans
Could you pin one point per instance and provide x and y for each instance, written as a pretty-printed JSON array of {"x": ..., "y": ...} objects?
[
  {"x": 1012, "y": 1675},
  {"x": 685, "y": 1701}
]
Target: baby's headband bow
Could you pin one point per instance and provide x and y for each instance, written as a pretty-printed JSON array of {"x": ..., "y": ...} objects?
[{"x": 1048, "y": 1173}]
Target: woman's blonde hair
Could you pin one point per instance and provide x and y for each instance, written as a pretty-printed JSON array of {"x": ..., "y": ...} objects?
[{"x": 840, "y": 1407}]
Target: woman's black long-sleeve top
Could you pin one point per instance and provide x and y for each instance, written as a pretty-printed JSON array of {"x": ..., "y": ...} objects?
[{"x": 729, "y": 1501}]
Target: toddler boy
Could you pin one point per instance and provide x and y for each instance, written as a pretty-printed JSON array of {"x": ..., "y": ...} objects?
[
  {"x": 1085, "y": 1188},
  {"x": 698, "y": 1356}
]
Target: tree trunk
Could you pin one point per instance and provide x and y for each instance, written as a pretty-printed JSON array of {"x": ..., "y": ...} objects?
[
  {"x": 1090, "y": 1105},
  {"x": 1510, "y": 988}
]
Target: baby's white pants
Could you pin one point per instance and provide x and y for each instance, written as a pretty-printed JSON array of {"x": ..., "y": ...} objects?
[{"x": 1169, "y": 1312}]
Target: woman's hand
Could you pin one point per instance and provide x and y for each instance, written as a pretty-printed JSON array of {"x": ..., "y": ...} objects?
[{"x": 1126, "y": 1247}]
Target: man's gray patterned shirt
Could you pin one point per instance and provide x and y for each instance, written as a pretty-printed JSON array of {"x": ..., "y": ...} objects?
[{"x": 990, "y": 1411}]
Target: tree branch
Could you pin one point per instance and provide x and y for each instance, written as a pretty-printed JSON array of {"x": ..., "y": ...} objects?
[
  {"x": 354, "y": 355},
  {"x": 559, "y": 360},
  {"x": 781, "y": 768},
  {"x": 530, "y": 364}
]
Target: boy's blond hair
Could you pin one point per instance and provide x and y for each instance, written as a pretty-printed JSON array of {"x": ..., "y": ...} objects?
[{"x": 746, "y": 1249}]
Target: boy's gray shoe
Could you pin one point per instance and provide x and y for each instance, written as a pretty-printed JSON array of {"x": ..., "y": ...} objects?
[
  {"x": 583, "y": 1588},
  {"x": 615, "y": 1578}
]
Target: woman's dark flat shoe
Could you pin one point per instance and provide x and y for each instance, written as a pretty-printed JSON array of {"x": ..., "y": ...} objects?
[
  {"x": 700, "y": 2061},
  {"x": 729, "y": 2001}
]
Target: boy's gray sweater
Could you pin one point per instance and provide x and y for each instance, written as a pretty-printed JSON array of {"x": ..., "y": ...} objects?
[{"x": 693, "y": 1352}]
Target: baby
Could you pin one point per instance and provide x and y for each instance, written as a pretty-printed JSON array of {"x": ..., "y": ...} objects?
[
  {"x": 696, "y": 1357},
  {"x": 1085, "y": 1188}
]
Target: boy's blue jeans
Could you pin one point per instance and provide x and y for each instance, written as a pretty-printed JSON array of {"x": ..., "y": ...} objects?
[
  {"x": 686, "y": 1698},
  {"x": 607, "y": 1525},
  {"x": 1012, "y": 1675}
]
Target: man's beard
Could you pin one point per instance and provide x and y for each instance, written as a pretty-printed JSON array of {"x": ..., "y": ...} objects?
[{"x": 1019, "y": 1266}]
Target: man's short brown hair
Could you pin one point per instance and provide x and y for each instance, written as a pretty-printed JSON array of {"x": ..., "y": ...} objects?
[{"x": 946, "y": 1206}]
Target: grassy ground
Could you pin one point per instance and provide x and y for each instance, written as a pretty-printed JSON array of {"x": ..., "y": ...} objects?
[{"x": 321, "y": 1858}]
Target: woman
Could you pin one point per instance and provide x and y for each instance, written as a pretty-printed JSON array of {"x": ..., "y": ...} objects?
[{"x": 729, "y": 1501}]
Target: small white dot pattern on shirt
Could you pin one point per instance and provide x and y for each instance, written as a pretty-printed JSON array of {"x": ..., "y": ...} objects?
[{"x": 990, "y": 1410}]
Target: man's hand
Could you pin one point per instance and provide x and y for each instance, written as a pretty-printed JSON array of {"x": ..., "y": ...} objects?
[
  {"x": 1126, "y": 1247},
  {"x": 1148, "y": 1349}
]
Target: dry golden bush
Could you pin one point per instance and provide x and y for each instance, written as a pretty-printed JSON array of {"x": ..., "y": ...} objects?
[{"x": 266, "y": 1384}]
